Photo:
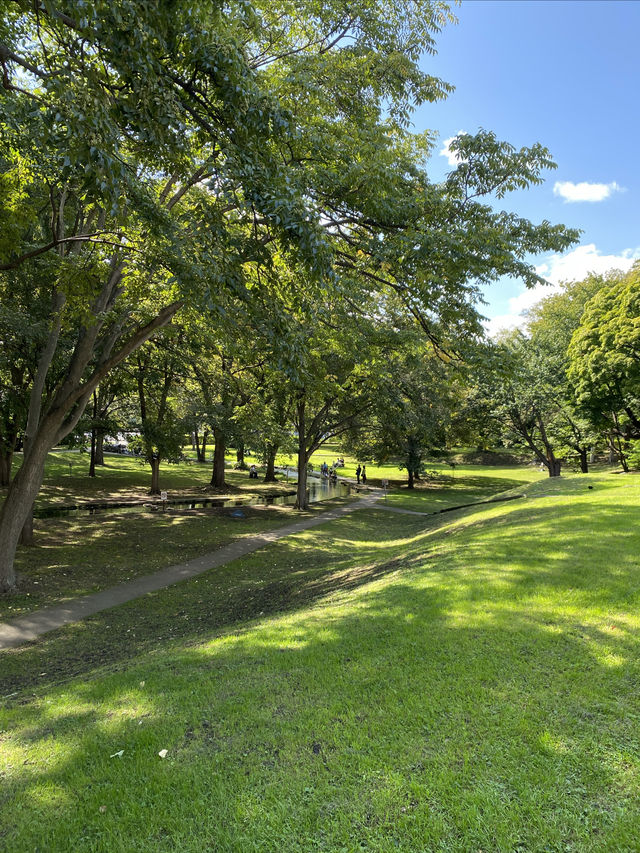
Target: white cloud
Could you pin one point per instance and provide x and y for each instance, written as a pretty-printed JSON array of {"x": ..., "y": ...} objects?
[
  {"x": 584, "y": 191},
  {"x": 578, "y": 263},
  {"x": 572, "y": 266},
  {"x": 452, "y": 156}
]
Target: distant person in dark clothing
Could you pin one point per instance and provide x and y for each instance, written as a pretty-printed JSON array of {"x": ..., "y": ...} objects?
[
  {"x": 358, "y": 470},
  {"x": 364, "y": 474}
]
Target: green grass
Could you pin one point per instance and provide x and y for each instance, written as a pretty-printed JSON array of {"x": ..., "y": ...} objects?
[
  {"x": 79, "y": 555},
  {"x": 125, "y": 477},
  {"x": 467, "y": 484},
  {"x": 458, "y": 683}
]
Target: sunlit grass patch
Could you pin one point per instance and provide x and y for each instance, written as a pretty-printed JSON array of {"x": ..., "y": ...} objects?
[{"x": 477, "y": 690}]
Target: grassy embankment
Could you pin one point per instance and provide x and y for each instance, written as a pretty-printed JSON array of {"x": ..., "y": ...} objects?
[
  {"x": 459, "y": 682},
  {"x": 83, "y": 554}
]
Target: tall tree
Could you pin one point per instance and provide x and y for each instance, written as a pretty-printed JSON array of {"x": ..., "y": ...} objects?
[
  {"x": 550, "y": 325},
  {"x": 156, "y": 369},
  {"x": 171, "y": 147},
  {"x": 605, "y": 358},
  {"x": 120, "y": 112}
]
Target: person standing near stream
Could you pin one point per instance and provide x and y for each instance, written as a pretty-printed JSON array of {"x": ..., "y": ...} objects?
[
  {"x": 364, "y": 474},
  {"x": 358, "y": 470}
]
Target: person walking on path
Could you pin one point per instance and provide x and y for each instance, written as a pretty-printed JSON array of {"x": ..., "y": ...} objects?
[
  {"x": 364, "y": 474},
  {"x": 358, "y": 470}
]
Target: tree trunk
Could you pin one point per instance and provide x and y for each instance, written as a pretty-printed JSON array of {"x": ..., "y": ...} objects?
[
  {"x": 217, "y": 477},
  {"x": 6, "y": 457},
  {"x": 554, "y": 465},
  {"x": 92, "y": 457},
  {"x": 99, "y": 454},
  {"x": 410, "y": 484},
  {"x": 240, "y": 456},
  {"x": 26, "y": 534},
  {"x": 18, "y": 506},
  {"x": 203, "y": 449},
  {"x": 302, "y": 495},
  {"x": 270, "y": 474},
  {"x": 584, "y": 464},
  {"x": 155, "y": 475}
]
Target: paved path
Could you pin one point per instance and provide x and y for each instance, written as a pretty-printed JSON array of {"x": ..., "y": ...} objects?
[{"x": 35, "y": 624}]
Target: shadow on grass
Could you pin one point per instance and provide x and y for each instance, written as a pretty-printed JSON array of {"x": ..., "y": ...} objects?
[
  {"x": 572, "y": 555},
  {"x": 399, "y": 722}
]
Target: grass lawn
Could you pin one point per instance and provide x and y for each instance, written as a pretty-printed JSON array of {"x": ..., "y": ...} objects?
[
  {"x": 80, "y": 555},
  {"x": 385, "y": 682},
  {"x": 83, "y": 554},
  {"x": 129, "y": 478}
]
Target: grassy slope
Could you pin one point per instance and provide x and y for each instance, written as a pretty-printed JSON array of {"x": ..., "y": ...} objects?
[
  {"x": 82, "y": 554},
  {"x": 471, "y": 685}
]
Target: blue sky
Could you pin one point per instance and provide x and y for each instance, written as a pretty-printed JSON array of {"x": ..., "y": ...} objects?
[{"x": 565, "y": 73}]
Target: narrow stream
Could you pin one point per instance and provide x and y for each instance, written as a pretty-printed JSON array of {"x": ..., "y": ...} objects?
[{"x": 319, "y": 490}]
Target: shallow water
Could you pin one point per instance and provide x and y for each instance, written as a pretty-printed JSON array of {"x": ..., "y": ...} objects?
[{"x": 319, "y": 490}]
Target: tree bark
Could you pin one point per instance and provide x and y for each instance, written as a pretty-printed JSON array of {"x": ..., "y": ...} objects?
[
  {"x": 18, "y": 506},
  {"x": 584, "y": 464},
  {"x": 217, "y": 477},
  {"x": 6, "y": 458},
  {"x": 155, "y": 475},
  {"x": 270, "y": 474},
  {"x": 302, "y": 495},
  {"x": 410, "y": 483},
  {"x": 554, "y": 465},
  {"x": 92, "y": 456},
  {"x": 99, "y": 451},
  {"x": 240, "y": 456}
]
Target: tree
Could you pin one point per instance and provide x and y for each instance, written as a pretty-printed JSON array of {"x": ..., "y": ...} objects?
[
  {"x": 120, "y": 112},
  {"x": 550, "y": 325},
  {"x": 518, "y": 380},
  {"x": 168, "y": 151},
  {"x": 413, "y": 402},
  {"x": 156, "y": 369},
  {"x": 605, "y": 358}
]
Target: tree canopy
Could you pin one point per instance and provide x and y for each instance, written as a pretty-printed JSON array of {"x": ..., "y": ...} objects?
[{"x": 232, "y": 160}]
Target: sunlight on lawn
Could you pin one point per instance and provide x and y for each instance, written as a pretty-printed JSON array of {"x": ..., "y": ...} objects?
[{"x": 487, "y": 688}]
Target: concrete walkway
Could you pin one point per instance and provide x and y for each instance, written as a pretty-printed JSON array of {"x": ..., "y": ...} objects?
[{"x": 35, "y": 624}]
